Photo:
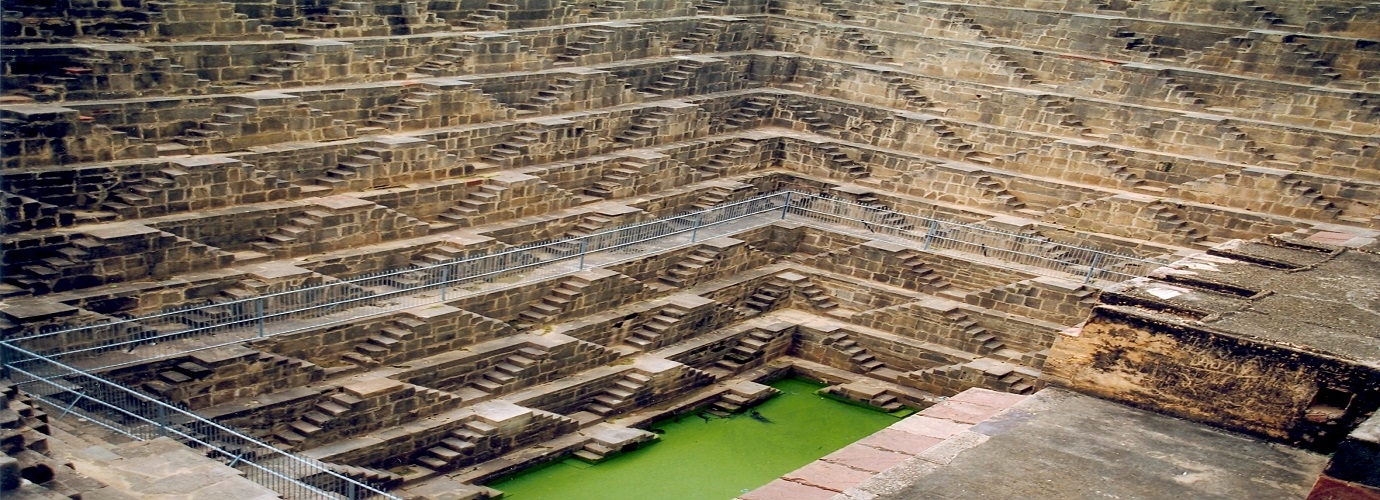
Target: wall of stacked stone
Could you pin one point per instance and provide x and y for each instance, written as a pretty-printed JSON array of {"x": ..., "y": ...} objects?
[
  {"x": 145, "y": 297},
  {"x": 875, "y": 261},
  {"x": 450, "y": 102},
  {"x": 953, "y": 379},
  {"x": 968, "y": 97},
  {"x": 1097, "y": 164},
  {"x": 735, "y": 295},
  {"x": 685, "y": 200},
  {"x": 894, "y": 351},
  {"x": 154, "y": 188},
  {"x": 970, "y": 275},
  {"x": 99, "y": 71},
  {"x": 402, "y": 448},
  {"x": 231, "y": 373},
  {"x": 1135, "y": 216},
  {"x": 566, "y": 357},
  {"x": 338, "y": 227},
  {"x": 1285, "y": 193},
  {"x": 855, "y": 295},
  {"x": 709, "y": 349},
  {"x": 1089, "y": 35},
  {"x": 431, "y": 333},
  {"x": 733, "y": 257},
  {"x": 1253, "y": 129},
  {"x": 1044, "y": 299},
  {"x": 45, "y": 135},
  {"x": 612, "y": 326},
  {"x": 814, "y": 241},
  {"x": 1298, "y": 13},
  {"x": 945, "y": 322},
  {"x": 382, "y": 408},
  {"x": 579, "y": 90},
  {"x": 55, "y": 262},
  {"x": 571, "y": 394}
]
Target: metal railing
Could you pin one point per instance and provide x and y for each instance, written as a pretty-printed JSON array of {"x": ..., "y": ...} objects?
[
  {"x": 38, "y": 363},
  {"x": 68, "y": 390}
]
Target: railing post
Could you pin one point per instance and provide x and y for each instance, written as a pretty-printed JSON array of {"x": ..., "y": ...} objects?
[
  {"x": 929, "y": 235},
  {"x": 787, "y": 206},
  {"x": 259, "y": 312},
  {"x": 162, "y": 420},
  {"x": 695, "y": 232},
  {"x": 584, "y": 244},
  {"x": 445, "y": 281},
  {"x": 1097, "y": 258},
  {"x": 4, "y": 360}
]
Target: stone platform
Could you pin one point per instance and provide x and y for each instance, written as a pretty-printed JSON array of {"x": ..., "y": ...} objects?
[{"x": 1054, "y": 444}]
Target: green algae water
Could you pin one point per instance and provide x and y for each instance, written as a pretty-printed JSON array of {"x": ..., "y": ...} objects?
[{"x": 716, "y": 459}]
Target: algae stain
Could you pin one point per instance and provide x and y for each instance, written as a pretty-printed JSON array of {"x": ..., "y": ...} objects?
[{"x": 716, "y": 459}]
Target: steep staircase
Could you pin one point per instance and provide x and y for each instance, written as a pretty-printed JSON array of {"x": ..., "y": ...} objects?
[
  {"x": 282, "y": 70},
  {"x": 456, "y": 447},
  {"x": 924, "y": 276},
  {"x": 767, "y": 295},
  {"x": 644, "y": 129},
  {"x": 504, "y": 372},
  {"x": 986, "y": 341},
  {"x": 507, "y": 152},
  {"x": 840, "y": 161},
  {"x": 548, "y": 100},
  {"x": 818, "y": 298},
  {"x": 748, "y": 350},
  {"x": 698, "y": 40},
  {"x": 648, "y": 334},
  {"x": 313, "y": 421},
  {"x": 674, "y": 80},
  {"x": 587, "y": 43},
  {"x": 150, "y": 190},
  {"x": 807, "y": 115},
  {"x": 491, "y": 18},
  {"x": 991, "y": 188},
  {"x": 619, "y": 397},
  {"x": 858, "y": 355},
  {"x": 552, "y": 304},
  {"x": 408, "y": 113},
  {"x": 856, "y": 40},
  {"x": 376, "y": 349},
  {"x": 721, "y": 163},
  {"x": 353, "y": 172},
  {"x": 474, "y": 205},
  {"x": 752, "y": 110},
  {"x": 687, "y": 269},
  {"x": 884, "y": 214},
  {"x": 618, "y": 181},
  {"x": 1168, "y": 221}
]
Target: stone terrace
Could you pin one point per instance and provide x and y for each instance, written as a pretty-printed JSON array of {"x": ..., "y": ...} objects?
[{"x": 162, "y": 155}]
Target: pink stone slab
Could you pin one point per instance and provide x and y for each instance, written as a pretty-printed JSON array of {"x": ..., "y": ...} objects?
[
  {"x": 786, "y": 490},
  {"x": 860, "y": 456},
  {"x": 900, "y": 442},
  {"x": 922, "y": 425},
  {"x": 829, "y": 476},
  {"x": 988, "y": 398},
  {"x": 959, "y": 411}
]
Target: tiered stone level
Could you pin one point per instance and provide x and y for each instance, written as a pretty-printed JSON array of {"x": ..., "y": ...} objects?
[{"x": 160, "y": 155}]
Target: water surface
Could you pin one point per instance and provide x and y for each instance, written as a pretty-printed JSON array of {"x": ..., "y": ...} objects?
[{"x": 716, "y": 459}]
